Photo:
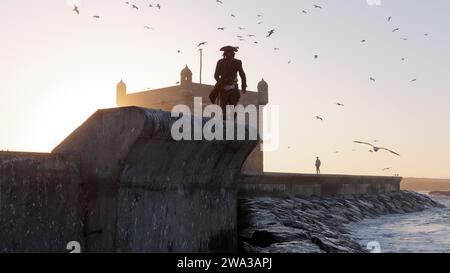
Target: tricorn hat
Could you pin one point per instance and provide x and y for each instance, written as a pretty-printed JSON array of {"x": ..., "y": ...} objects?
[{"x": 229, "y": 48}]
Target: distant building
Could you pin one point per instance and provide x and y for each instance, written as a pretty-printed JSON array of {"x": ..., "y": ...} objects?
[{"x": 184, "y": 93}]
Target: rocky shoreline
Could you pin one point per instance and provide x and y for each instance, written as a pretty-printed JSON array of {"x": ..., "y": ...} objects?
[{"x": 316, "y": 224}]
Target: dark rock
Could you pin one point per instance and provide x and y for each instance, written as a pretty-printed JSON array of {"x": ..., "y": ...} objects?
[{"x": 315, "y": 224}]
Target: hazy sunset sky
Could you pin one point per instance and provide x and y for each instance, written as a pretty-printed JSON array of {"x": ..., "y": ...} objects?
[{"x": 57, "y": 68}]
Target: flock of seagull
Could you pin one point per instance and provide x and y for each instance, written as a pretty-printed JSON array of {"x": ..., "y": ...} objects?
[{"x": 271, "y": 32}]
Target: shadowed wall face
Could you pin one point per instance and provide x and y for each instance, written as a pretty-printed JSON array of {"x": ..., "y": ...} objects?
[
  {"x": 145, "y": 192},
  {"x": 38, "y": 203}
]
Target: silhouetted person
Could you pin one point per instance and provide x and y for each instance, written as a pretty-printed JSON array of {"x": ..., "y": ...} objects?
[
  {"x": 227, "y": 89},
  {"x": 318, "y": 164}
]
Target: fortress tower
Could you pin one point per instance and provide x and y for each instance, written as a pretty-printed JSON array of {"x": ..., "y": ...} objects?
[{"x": 184, "y": 93}]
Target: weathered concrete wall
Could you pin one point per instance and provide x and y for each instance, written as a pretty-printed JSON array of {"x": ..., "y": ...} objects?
[
  {"x": 145, "y": 192},
  {"x": 283, "y": 184},
  {"x": 38, "y": 202}
]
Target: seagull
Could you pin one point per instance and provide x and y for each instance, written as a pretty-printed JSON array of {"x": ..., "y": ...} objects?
[
  {"x": 372, "y": 79},
  {"x": 389, "y": 18},
  {"x": 201, "y": 44},
  {"x": 413, "y": 80},
  {"x": 396, "y": 29},
  {"x": 375, "y": 148},
  {"x": 96, "y": 17},
  {"x": 158, "y": 6},
  {"x": 232, "y": 15},
  {"x": 221, "y": 28},
  {"x": 340, "y": 104},
  {"x": 276, "y": 48},
  {"x": 319, "y": 118},
  {"x": 270, "y": 32},
  {"x": 304, "y": 11},
  {"x": 363, "y": 41},
  {"x": 135, "y": 7},
  {"x": 75, "y": 9},
  {"x": 219, "y": 2},
  {"x": 317, "y": 6}
]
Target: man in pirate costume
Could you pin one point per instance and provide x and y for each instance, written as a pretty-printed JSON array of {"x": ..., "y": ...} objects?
[{"x": 226, "y": 91}]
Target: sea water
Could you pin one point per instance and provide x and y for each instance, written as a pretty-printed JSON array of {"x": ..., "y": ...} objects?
[{"x": 421, "y": 232}]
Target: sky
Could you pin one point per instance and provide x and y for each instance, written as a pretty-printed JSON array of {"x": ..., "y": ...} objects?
[{"x": 57, "y": 68}]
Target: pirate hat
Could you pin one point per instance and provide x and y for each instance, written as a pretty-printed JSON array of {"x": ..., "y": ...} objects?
[{"x": 229, "y": 48}]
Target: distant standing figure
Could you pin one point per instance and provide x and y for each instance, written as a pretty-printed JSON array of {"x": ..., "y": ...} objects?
[{"x": 318, "y": 164}]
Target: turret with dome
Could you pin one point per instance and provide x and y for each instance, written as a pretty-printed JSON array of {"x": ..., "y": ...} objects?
[{"x": 186, "y": 77}]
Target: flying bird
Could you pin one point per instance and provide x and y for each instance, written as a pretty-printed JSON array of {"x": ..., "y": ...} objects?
[
  {"x": 317, "y": 6},
  {"x": 413, "y": 80},
  {"x": 270, "y": 32},
  {"x": 221, "y": 28},
  {"x": 316, "y": 56},
  {"x": 375, "y": 148},
  {"x": 96, "y": 17},
  {"x": 340, "y": 104},
  {"x": 396, "y": 29},
  {"x": 389, "y": 18},
  {"x": 219, "y": 2},
  {"x": 386, "y": 169},
  {"x": 372, "y": 79},
  {"x": 76, "y": 10},
  {"x": 148, "y": 27},
  {"x": 319, "y": 118},
  {"x": 202, "y": 44},
  {"x": 135, "y": 7}
]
